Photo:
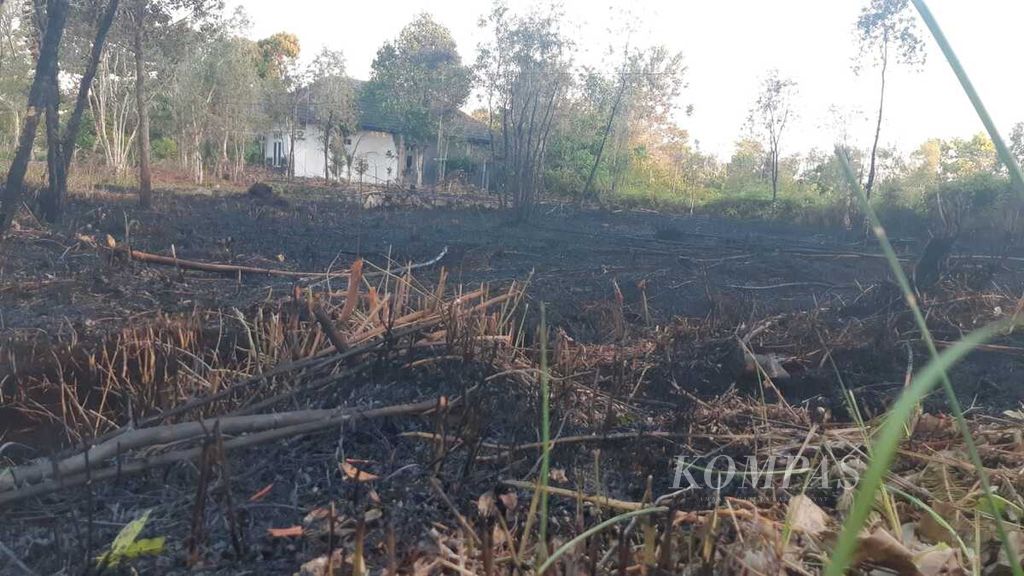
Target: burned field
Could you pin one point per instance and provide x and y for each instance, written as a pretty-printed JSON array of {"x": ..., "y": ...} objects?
[{"x": 361, "y": 388}]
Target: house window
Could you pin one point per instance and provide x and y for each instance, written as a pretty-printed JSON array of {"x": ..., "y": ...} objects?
[
  {"x": 348, "y": 141},
  {"x": 408, "y": 162}
]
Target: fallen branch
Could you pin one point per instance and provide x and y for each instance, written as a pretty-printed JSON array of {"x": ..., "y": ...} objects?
[
  {"x": 587, "y": 439},
  {"x": 303, "y": 427},
  {"x": 785, "y": 285},
  {"x": 599, "y": 500},
  {"x": 235, "y": 269}
]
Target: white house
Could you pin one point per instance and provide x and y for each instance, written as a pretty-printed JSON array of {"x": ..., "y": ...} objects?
[{"x": 377, "y": 153}]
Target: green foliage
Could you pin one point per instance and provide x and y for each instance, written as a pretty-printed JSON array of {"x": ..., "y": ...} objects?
[
  {"x": 418, "y": 79},
  {"x": 1017, "y": 142},
  {"x": 164, "y": 148},
  {"x": 768, "y": 118},
  {"x": 525, "y": 74},
  {"x": 127, "y": 544},
  {"x": 885, "y": 24},
  {"x": 276, "y": 54}
]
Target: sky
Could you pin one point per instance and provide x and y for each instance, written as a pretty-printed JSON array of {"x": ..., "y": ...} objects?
[{"x": 728, "y": 47}]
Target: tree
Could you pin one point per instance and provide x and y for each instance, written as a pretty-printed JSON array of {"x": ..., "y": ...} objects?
[
  {"x": 525, "y": 74},
  {"x": 1017, "y": 142},
  {"x": 419, "y": 80},
  {"x": 17, "y": 60},
  {"x": 56, "y": 15},
  {"x": 210, "y": 98},
  {"x": 277, "y": 54},
  {"x": 146, "y": 19},
  {"x": 62, "y": 148},
  {"x": 649, "y": 84},
  {"x": 768, "y": 120},
  {"x": 333, "y": 106},
  {"x": 887, "y": 28},
  {"x": 962, "y": 157}
]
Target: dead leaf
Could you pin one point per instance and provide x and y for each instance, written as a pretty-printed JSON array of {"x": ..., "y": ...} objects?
[
  {"x": 880, "y": 548},
  {"x": 316, "y": 514},
  {"x": 486, "y": 505},
  {"x": 940, "y": 560},
  {"x": 111, "y": 243},
  {"x": 290, "y": 532},
  {"x": 1002, "y": 564},
  {"x": 507, "y": 500},
  {"x": 319, "y": 566},
  {"x": 1015, "y": 414},
  {"x": 931, "y": 426},
  {"x": 933, "y": 532},
  {"x": 355, "y": 474},
  {"x": 806, "y": 517},
  {"x": 280, "y": 257},
  {"x": 558, "y": 475},
  {"x": 261, "y": 493}
]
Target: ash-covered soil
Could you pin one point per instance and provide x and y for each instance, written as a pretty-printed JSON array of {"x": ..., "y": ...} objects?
[{"x": 822, "y": 302}]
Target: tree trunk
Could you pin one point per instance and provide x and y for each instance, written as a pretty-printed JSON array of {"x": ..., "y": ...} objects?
[
  {"x": 327, "y": 146},
  {"x": 56, "y": 11},
  {"x": 604, "y": 139},
  {"x": 142, "y": 108},
  {"x": 878, "y": 127},
  {"x": 775, "y": 174},
  {"x": 52, "y": 201}
]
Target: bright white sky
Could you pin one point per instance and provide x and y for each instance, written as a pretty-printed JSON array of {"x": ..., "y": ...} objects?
[{"x": 728, "y": 45}]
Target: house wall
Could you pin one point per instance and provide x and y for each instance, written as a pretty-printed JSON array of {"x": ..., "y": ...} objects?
[
  {"x": 380, "y": 152},
  {"x": 377, "y": 149}
]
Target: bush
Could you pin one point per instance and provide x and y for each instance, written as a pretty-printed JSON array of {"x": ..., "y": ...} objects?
[{"x": 164, "y": 148}]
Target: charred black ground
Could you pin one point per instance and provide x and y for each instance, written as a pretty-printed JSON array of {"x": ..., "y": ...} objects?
[{"x": 666, "y": 296}]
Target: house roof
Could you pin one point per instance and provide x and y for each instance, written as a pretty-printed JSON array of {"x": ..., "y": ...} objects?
[{"x": 375, "y": 118}]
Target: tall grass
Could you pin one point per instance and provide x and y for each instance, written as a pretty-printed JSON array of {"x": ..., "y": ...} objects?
[
  {"x": 892, "y": 431},
  {"x": 545, "y": 436}
]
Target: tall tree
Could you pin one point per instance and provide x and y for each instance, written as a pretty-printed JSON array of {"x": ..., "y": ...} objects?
[
  {"x": 1017, "y": 142},
  {"x": 18, "y": 45},
  {"x": 277, "y": 66},
  {"x": 769, "y": 117},
  {"x": 161, "y": 19},
  {"x": 525, "y": 69},
  {"x": 333, "y": 106},
  {"x": 277, "y": 54},
  {"x": 887, "y": 29},
  {"x": 138, "y": 18},
  {"x": 62, "y": 148},
  {"x": 56, "y": 15},
  {"x": 419, "y": 80}
]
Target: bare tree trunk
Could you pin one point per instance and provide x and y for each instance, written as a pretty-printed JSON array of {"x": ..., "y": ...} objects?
[
  {"x": 52, "y": 201},
  {"x": 326, "y": 134},
  {"x": 775, "y": 172},
  {"x": 145, "y": 173},
  {"x": 878, "y": 127},
  {"x": 56, "y": 12},
  {"x": 604, "y": 139}
]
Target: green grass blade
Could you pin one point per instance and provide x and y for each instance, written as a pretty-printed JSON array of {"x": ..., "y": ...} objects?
[
  {"x": 594, "y": 530},
  {"x": 888, "y": 440},
  {"x": 947, "y": 50},
  {"x": 545, "y": 436},
  {"x": 947, "y": 385}
]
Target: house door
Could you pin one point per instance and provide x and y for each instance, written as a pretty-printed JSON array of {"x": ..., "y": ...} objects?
[{"x": 278, "y": 153}]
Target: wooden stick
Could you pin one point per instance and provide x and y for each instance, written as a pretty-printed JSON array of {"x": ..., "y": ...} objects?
[
  {"x": 263, "y": 437},
  {"x": 235, "y": 270},
  {"x": 228, "y": 269},
  {"x": 599, "y": 500}
]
